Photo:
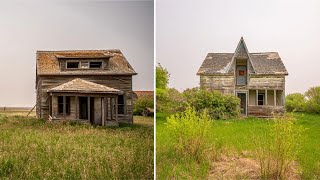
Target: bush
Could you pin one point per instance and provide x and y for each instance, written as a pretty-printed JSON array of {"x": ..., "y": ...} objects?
[
  {"x": 313, "y": 102},
  {"x": 218, "y": 105},
  {"x": 169, "y": 101},
  {"x": 277, "y": 148},
  {"x": 190, "y": 131},
  {"x": 295, "y": 102},
  {"x": 140, "y": 104}
]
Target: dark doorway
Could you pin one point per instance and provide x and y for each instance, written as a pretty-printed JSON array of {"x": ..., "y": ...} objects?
[
  {"x": 83, "y": 107},
  {"x": 92, "y": 110},
  {"x": 243, "y": 103}
]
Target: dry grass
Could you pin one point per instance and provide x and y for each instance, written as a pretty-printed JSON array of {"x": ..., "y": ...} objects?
[
  {"x": 242, "y": 167},
  {"x": 34, "y": 149}
]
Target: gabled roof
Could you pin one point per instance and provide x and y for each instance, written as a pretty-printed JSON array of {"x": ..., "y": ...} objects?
[
  {"x": 48, "y": 62},
  {"x": 83, "y": 86},
  {"x": 263, "y": 63}
]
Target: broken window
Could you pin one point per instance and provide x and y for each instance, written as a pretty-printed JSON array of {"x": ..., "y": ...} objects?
[
  {"x": 260, "y": 99},
  {"x": 84, "y": 65},
  {"x": 95, "y": 65},
  {"x": 121, "y": 104},
  {"x": 60, "y": 104},
  {"x": 72, "y": 65}
]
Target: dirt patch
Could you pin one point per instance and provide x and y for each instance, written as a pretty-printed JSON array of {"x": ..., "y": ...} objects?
[{"x": 237, "y": 167}]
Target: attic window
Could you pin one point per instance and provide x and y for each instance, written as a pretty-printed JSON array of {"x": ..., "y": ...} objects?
[
  {"x": 95, "y": 65},
  {"x": 72, "y": 65}
]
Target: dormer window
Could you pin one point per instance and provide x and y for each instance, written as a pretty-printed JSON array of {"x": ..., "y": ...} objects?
[
  {"x": 72, "y": 65},
  {"x": 95, "y": 65}
]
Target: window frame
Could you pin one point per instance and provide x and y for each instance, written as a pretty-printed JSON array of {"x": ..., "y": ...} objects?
[
  {"x": 73, "y": 62},
  {"x": 263, "y": 99},
  {"x": 61, "y": 105},
  {"x": 122, "y": 105},
  {"x": 101, "y": 64}
]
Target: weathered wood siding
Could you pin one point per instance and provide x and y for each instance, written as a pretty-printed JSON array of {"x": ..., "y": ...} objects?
[
  {"x": 45, "y": 83},
  {"x": 266, "y": 82},
  {"x": 265, "y": 111},
  {"x": 224, "y": 84}
]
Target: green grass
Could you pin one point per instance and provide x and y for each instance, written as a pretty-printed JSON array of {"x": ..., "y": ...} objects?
[
  {"x": 234, "y": 136},
  {"x": 34, "y": 149}
]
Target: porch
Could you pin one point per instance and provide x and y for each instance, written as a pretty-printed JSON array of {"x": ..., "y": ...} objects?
[
  {"x": 261, "y": 103},
  {"x": 84, "y": 101}
]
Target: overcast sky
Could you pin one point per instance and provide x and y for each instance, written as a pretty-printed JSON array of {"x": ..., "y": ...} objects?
[
  {"x": 28, "y": 26},
  {"x": 187, "y": 30}
]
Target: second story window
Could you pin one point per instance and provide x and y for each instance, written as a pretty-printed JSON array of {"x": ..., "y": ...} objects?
[
  {"x": 95, "y": 65},
  {"x": 72, "y": 65}
]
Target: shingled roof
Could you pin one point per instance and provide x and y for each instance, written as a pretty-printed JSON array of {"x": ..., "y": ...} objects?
[
  {"x": 263, "y": 63},
  {"x": 48, "y": 62},
  {"x": 83, "y": 86}
]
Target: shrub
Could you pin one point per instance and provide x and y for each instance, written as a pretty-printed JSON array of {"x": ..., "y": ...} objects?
[
  {"x": 218, "y": 105},
  {"x": 295, "y": 102},
  {"x": 313, "y": 100},
  {"x": 140, "y": 104},
  {"x": 190, "y": 131},
  {"x": 169, "y": 101},
  {"x": 277, "y": 148}
]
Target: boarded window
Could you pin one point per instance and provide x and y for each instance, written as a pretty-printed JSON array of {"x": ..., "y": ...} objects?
[
  {"x": 241, "y": 73},
  {"x": 60, "y": 104},
  {"x": 72, "y": 65},
  {"x": 260, "y": 99},
  {"x": 121, "y": 104},
  {"x": 95, "y": 65}
]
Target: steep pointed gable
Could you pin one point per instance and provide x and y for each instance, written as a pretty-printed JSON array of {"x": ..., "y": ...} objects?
[{"x": 241, "y": 52}]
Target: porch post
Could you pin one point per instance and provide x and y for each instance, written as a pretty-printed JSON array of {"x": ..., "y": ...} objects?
[
  {"x": 88, "y": 108},
  {"x": 77, "y": 106},
  {"x": 266, "y": 101},
  {"x": 103, "y": 110},
  {"x": 64, "y": 106},
  {"x": 52, "y": 109},
  {"x": 116, "y": 108},
  {"x": 275, "y": 97},
  {"x": 107, "y": 107},
  {"x": 257, "y": 91}
]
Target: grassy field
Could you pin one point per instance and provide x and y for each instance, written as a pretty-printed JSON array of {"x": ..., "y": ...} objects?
[
  {"x": 35, "y": 149},
  {"x": 234, "y": 138}
]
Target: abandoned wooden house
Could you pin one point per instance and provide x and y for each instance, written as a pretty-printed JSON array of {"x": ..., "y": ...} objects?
[
  {"x": 257, "y": 79},
  {"x": 87, "y": 86}
]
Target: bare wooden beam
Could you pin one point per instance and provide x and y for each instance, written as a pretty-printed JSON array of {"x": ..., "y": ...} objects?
[
  {"x": 116, "y": 108},
  {"x": 275, "y": 97},
  {"x": 64, "y": 106},
  {"x": 52, "y": 109},
  {"x": 103, "y": 110},
  {"x": 257, "y": 91},
  {"x": 88, "y": 113},
  {"x": 266, "y": 97},
  {"x": 77, "y": 106}
]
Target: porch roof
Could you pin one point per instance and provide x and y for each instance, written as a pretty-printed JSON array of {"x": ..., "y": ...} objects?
[{"x": 82, "y": 86}]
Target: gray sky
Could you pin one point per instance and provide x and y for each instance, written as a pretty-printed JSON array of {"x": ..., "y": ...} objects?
[
  {"x": 26, "y": 27},
  {"x": 187, "y": 30}
]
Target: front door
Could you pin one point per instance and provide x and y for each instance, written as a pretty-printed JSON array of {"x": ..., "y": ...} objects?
[{"x": 243, "y": 102}]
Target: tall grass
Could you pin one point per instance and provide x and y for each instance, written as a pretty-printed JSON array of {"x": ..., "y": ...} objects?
[
  {"x": 34, "y": 149},
  {"x": 277, "y": 148}
]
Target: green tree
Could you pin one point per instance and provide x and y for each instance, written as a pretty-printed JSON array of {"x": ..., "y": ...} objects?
[
  {"x": 162, "y": 77},
  {"x": 295, "y": 102},
  {"x": 313, "y": 100}
]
